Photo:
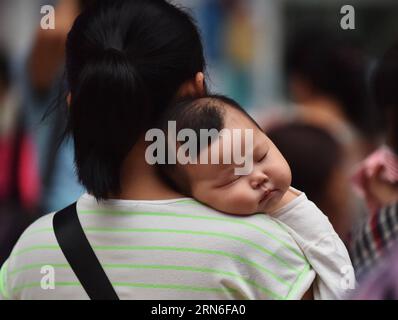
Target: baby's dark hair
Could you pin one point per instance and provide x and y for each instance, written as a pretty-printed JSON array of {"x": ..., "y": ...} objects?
[{"x": 206, "y": 113}]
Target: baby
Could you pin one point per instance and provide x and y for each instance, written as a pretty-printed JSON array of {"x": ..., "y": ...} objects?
[{"x": 264, "y": 189}]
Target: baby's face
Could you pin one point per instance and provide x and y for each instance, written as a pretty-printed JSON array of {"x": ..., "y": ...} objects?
[{"x": 218, "y": 186}]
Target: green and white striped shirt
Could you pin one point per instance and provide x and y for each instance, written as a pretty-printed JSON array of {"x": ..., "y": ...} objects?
[{"x": 169, "y": 249}]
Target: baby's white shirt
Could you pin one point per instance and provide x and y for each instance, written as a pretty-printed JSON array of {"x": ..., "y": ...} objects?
[{"x": 321, "y": 245}]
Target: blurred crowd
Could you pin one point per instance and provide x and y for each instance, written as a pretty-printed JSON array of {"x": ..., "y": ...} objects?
[{"x": 337, "y": 128}]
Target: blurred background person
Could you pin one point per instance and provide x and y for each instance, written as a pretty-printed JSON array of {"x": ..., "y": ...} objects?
[
  {"x": 42, "y": 81},
  {"x": 33, "y": 166},
  {"x": 376, "y": 178},
  {"x": 8, "y": 112},
  {"x": 381, "y": 283},
  {"x": 327, "y": 81},
  {"x": 18, "y": 178}
]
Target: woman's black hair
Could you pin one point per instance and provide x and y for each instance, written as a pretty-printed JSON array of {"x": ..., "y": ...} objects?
[
  {"x": 83, "y": 4},
  {"x": 125, "y": 61}
]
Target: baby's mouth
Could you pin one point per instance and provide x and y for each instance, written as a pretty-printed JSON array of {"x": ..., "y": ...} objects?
[{"x": 267, "y": 193}]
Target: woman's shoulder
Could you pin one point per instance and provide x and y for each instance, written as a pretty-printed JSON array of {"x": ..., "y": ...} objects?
[
  {"x": 257, "y": 245},
  {"x": 36, "y": 233},
  {"x": 38, "y": 236},
  {"x": 183, "y": 212},
  {"x": 25, "y": 259}
]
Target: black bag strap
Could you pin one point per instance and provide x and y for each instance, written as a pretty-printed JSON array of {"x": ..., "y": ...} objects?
[{"x": 80, "y": 255}]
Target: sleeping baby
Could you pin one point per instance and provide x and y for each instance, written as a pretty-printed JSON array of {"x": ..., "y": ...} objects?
[{"x": 265, "y": 189}]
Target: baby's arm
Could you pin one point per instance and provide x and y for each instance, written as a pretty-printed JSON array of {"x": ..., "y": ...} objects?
[{"x": 323, "y": 248}]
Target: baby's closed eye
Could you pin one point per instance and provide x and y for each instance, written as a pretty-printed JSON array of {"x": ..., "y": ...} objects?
[
  {"x": 261, "y": 157},
  {"x": 230, "y": 181}
]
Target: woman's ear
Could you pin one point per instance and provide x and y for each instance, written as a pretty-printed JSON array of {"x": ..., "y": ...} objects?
[
  {"x": 200, "y": 83},
  {"x": 194, "y": 87}
]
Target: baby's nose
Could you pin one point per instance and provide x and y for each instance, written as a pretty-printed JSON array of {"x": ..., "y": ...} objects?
[{"x": 258, "y": 181}]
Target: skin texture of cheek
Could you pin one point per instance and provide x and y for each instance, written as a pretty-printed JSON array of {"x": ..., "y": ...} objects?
[
  {"x": 285, "y": 179},
  {"x": 236, "y": 200},
  {"x": 280, "y": 174},
  {"x": 242, "y": 201},
  {"x": 278, "y": 168},
  {"x": 280, "y": 179}
]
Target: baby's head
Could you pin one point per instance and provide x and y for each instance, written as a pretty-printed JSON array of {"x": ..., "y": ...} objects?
[{"x": 218, "y": 185}]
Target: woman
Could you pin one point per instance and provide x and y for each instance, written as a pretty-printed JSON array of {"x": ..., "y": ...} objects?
[{"x": 126, "y": 61}]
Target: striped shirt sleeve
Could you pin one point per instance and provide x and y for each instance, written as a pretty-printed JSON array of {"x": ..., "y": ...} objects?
[{"x": 4, "y": 292}]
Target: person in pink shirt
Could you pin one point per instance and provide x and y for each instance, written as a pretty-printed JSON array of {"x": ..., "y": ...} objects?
[{"x": 376, "y": 178}]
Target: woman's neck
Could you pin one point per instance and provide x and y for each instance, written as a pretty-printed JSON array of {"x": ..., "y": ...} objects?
[{"x": 140, "y": 181}]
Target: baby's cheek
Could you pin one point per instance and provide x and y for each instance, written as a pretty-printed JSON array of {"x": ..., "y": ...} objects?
[
  {"x": 233, "y": 200},
  {"x": 283, "y": 177},
  {"x": 240, "y": 201}
]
